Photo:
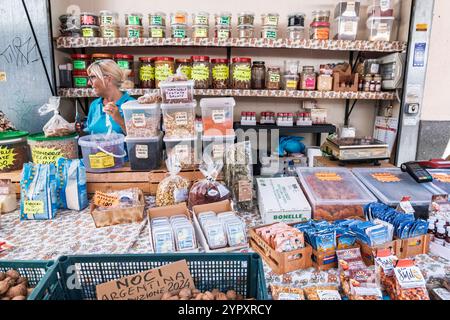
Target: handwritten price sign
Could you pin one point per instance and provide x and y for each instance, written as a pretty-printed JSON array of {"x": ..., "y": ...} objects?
[{"x": 105, "y": 200}]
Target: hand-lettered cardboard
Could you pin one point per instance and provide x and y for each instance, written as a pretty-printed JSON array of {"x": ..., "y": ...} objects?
[
  {"x": 102, "y": 199},
  {"x": 148, "y": 285}
]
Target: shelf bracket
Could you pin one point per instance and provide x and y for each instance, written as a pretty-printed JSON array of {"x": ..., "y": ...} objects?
[{"x": 348, "y": 111}]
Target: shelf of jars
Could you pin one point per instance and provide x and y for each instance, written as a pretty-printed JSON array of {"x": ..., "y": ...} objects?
[
  {"x": 333, "y": 45},
  {"x": 300, "y": 94}
]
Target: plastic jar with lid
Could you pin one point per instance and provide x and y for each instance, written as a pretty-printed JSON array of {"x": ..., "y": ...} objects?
[
  {"x": 147, "y": 72},
  {"x": 241, "y": 73},
  {"x": 157, "y": 19},
  {"x": 220, "y": 73},
  {"x": 246, "y": 18},
  {"x": 321, "y": 16},
  {"x": 155, "y": 31},
  {"x": 222, "y": 32},
  {"x": 179, "y": 31},
  {"x": 201, "y": 72},
  {"x": 378, "y": 82},
  {"x": 90, "y": 31},
  {"x": 179, "y": 17},
  {"x": 200, "y": 18},
  {"x": 185, "y": 66},
  {"x": 246, "y": 31},
  {"x": 269, "y": 32},
  {"x": 109, "y": 18},
  {"x": 273, "y": 78},
  {"x": 15, "y": 151},
  {"x": 290, "y": 81},
  {"x": 258, "y": 75},
  {"x": 89, "y": 19},
  {"x": 134, "y": 32},
  {"x": 223, "y": 19},
  {"x": 164, "y": 68},
  {"x": 296, "y": 19},
  {"x": 320, "y": 31},
  {"x": 133, "y": 19},
  {"x": 296, "y": 33},
  {"x": 80, "y": 79},
  {"x": 80, "y": 61},
  {"x": 124, "y": 61},
  {"x": 102, "y": 56},
  {"x": 270, "y": 19},
  {"x": 200, "y": 31},
  {"x": 109, "y": 31},
  {"x": 308, "y": 79}
]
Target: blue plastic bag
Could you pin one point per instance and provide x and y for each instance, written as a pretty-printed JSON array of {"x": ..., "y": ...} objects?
[{"x": 72, "y": 185}]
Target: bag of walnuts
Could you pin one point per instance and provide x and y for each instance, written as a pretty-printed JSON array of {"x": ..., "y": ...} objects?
[{"x": 174, "y": 188}]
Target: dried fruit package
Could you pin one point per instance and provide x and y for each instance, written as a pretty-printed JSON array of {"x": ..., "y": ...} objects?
[
  {"x": 409, "y": 281},
  {"x": 208, "y": 190},
  {"x": 57, "y": 126},
  {"x": 174, "y": 188}
]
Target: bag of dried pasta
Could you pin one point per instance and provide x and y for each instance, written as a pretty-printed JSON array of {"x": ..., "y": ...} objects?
[{"x": 174, "y": 188}]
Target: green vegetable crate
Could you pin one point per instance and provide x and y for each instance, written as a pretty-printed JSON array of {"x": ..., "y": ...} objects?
[
  {"x": 242, "y": 272},
  {"x": 42, "y": 277}
]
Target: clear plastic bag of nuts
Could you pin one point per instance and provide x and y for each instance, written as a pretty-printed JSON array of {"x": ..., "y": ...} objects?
[
  {"x": 57, "y": 126},
  {"x": 174, "y": 188}
]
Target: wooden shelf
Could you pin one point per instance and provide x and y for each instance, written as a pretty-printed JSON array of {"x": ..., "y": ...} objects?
[
  {"x": 329, "y": 45},
  {"x": 298, "y": 94}
]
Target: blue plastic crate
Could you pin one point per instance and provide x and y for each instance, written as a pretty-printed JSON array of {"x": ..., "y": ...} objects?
[{"x": 242, "y": 272}]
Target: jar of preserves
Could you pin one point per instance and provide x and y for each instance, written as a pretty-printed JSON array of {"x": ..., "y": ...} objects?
[
  {"x": 246, "y": 18},
  {"x": 296, "y": 19},
  {"x": 179, "y": 17},
  {"x": 321, "y": 16},
  {"x": 269, "y": 32},
  {"x": 156, "y": 31},
  {"x": 308, "y": 79},
  {"x": 109, "y": 18},
  {"x": 200, "y": 72},
  {"x": 124, "y": 61},
  {"x": 179, "y": 31},
  {"x": 201, "y": 18},
  {"x": 222, "y": 32},
  {"x": 241, "y": 73},
  {"x": 80, "y": 61},
  {"x": 223, "y": 19},
  {"x": 185, "y": 66},
  {"x": 273, "y": 78},
  {"x": 157, "y": 19},
  {"x": 270, "y": 19},
  {"x": 147, "y": 72},
  {"x": 164, "y": 68},
  {"x": 220, "y": 73},
  {"x": 246, "y": 31},
  {"x": 134, "y": 32},
  {"x": 109, "y": 32},
  {"x": 296, "y": 33},
  {"x": 258, "y": 75},
  {"x": 320, "y": 31},
  {"x": 102, "y": 56},
  {"x": 200, "y": 31},
  {"x": 80, "y": 79},
  {"x": 133, "y": 19},
  {"x": 90, "y": 31},
  {"x": 88, "y": 19}
]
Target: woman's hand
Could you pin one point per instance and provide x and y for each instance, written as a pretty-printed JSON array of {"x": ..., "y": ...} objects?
[{"x": 113, "y": 111}]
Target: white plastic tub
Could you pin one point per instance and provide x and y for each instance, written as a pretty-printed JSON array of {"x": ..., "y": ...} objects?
[{"x": 217, "y": 115}]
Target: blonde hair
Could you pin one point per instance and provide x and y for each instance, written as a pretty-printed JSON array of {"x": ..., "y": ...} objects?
[{"x": 108, "y": 67}]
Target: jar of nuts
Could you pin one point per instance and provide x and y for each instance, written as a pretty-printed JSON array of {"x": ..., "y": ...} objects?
[
  {"x": 273, "y": 78},
  {"x": 179, "y": 120},
  {"x": 164, "y": 67},
  {"x": 147, "y": 72},
  {"x": 241, "y": 73},
  {"x": 201, "y": 72},
  {"x": 220, "y": 73}
]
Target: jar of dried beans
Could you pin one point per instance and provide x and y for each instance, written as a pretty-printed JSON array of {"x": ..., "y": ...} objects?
[
  {"x": 147, "y": 73},
  {"x": 201, "y": 72},
  {"x": 220, "y": 73},
  {"x": 241, "y": 73}
]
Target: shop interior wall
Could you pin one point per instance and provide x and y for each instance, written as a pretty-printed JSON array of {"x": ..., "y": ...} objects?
[{"x": 365, "y": 111}]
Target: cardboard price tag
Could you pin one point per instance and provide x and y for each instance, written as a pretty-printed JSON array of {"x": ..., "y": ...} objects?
[
  {"x": 148, "y": 285},
  {"x": 102, "y": 199}
]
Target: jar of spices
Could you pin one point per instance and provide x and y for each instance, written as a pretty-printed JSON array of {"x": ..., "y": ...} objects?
[
  {"x": 147, "y": 72},
  {"x": 164, "y": 68},
  {"x": 179, "y": 31},
  {"x": 308, "y": 79},
  {"x": 258, "y": 75},
  {"x": 321, "y": 16},
  {"x": 270, "y": 19},
  {"x": 241, "y": 73},
  {"x": 201, "y": 18},
  {"x": 179, "y": 17},
  {"x": 222, "y": 32},
  {"x": 134, "y": 32},
  {"x": 246, "y": 31},
  {"x": 367, "y": 81},
  {"x": 223, "y": 19},
  {"x": 90, "y": 31},
  {"x": 185, "y": 66},
  {"x": 269, "y": 32},
  {"x": 320, "y": 31},
  {"x": 373, "y": 84},
  {"x": 296, "y": 19},
  {"x": 80, "y": 61},
  {"x": 102, "y": 56},
  {"x": 89, "y": 19},
  {"x": 296, "y": 33},
  {"x": 200, "y": 72},
  {"x": 245, "y": 18},
  {"x": 109, "y": 32},
  {"x": 109, "y": 18},
  {"x": 200, "y": 31},
  {"x": 157, "y": 19},
  {"x": 156, "y": 31},
  {"x": 133, "y": 19},
  {"x": 378, "y": 81},
  {"x": 80, "y": 79},
  {"x": 124, "y": 61},
  {"x": 273, "y": 78},
  {"x": 220, "y": 73}
]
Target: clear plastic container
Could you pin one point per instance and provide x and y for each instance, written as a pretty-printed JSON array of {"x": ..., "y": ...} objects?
[
  {"x": 380, "y": 28},
  {"x": 179, "y": 120},
  {"x": 200, "y": 31},
  {"x": 134, "y": 32},
  {"x": 133, "y": 19},
  {"x": 290, "y": 81},
  {"x": 345, "y": 28},
  {"x": 157, "y": 19},
  {"x": 144, "y": 153},
  {"x": 320, "y": 30},
  {"x": 246, "y": 31},
  {"x": 179, "y": 31},
  {"x": 155, "y": 31},
  {"x": 334, "y": 193},
  {"x": 381, "y": 8},
  {"x": 109, "y": 18},
  {"x": 45, "y": 150},
  {"x": 214, "y": 146},
  {"x": 246, "y": 18},
  {"x": 390, "y": 185},
  {"x": 15, "y": 151},
  {"x": 270, "y": 19},
  {"x": 291, "y": 67},
  {"x": 441, "y": 179},
  {"x": 217, "y": 115},
  {"x": 296, "y": 33},
  {"x": 200, "y": 18},
  {"x": 179, "y": 17},
  {"x": 269, "y": 32},
  {"x": 141, "y": 120},
  {"x": 177, "y": 92},
  {"x": 347, "y": 9},
  {"x": 184, "y": 149},
  {"x": 223, "y": 19},
  {"x": 222, "y": 32}
]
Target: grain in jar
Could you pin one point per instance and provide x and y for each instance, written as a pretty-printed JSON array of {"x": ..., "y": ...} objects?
[
  {"x": 246, "y": 18},
  {"x": 246, "y": 31},
  {"x": 134, "y": 32},
  {"x": 324, "y": 82},
  {"x": 14, "y": 150},
  {"x": 80, "y": 79},
  {"x": 273, "y": 78},
  {"x": 200, "y": 18},
  {"x": 222, "y": 32},
  {"x": 179, "y": 31},
  {"x": 201, "y": 72},
  {"x": 109, "y": 32},
  {"x": 308, "y": 79},
  {"x": 80, "y": 61},
  {"x": 109, "y": 18},
  {"x": 291, "y": 81},
  {"x": 157, "y": 19},
  {"x": 200, "y": 31},
  {"x": 258, "y": 75},
  {"x": 102, "y": 56},
  {"x": 124, "y": 61},
  {"x": 147, "y": 72},
  {"x": 220, "y": 73},
  {"x": 296, "y": 19},
  {"x": 269, "y": 32},
  {"x": 185, "y": 67},
  {"x": 155, "y": 31},
  {"x": 296, "y": 33},
  {"x": 241, "y": 73},
  {"x": 270, "y": 19},
  {"x": 223, "y": 19},
  {"x": 321, "y": 16},
  {"x": 164, "y": 68},
  {"x": 320, "y": 31}
]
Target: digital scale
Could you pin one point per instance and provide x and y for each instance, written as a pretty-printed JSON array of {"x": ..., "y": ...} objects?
[{"x": 351, "y": 150}]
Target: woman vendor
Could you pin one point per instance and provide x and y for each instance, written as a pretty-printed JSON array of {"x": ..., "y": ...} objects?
[{"x": 105, "y": 113}]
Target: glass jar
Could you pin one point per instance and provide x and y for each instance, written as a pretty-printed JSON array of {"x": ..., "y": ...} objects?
[
  {"x": 296, "y": 20},
  {"x": 258, "y": 75},
  {"x": 270, "y": 19},
  {"x": 157, "y": 19},
  {"x": 296, "y": 33},
  {"x": 222, "y": 32},
  {"x": 179, "y": 17},
  {"x": 80, "y": 79},
  {"x": 200, "y": 31},
  {"x": 134, "y": 32},
  {"x": 133, "y": 19},
  {"x": 200, "y": 72},
  {"x": 201, "y": 18},
  {"x": 223, "y": 19},
  {"x": 109, "y": 32},
  {"x": 185, "y": 66},
  {"x": 179, "y": 31},
  {"x": 246, "y": 31},
  {"x": 378, "y": 82},
  {"x": 109, "y": 18},
  {"x": 90, "y": 31},
  {"x": 89, "y": 19},
  {"x": 80, "y": 62},
  {"x": 308, "y": 79},
  {"x": 124, "y": 61},
  {"x": 291, "y": 67},
  {"x": 147, "y": 72},
  {"x": 320, "y": 31},
  {"x": 273, "y": 78},
  {"x": 290, "y": 81},
  {"x": 269, "y": 32},
  {"x": 367, "y": 80},
  {"x": 246, "y": 18},
  {"x": 156, "y": 31},
  {"x": 321, "y": 16},
  {"x": 102, "y": 56},
  {"x": 164, "y": 68},
  {"x": 220, "y": 73},
  {"x": 241, "y": 73},
  {"x": 325, "y": 82}
]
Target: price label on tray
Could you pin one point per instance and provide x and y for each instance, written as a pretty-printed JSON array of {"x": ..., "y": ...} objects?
[
  {"x": 386, "y": 177},
  {"x": 442, "y": 177},
  {"x": 328, "y": 176},
  {"x": 105, "y": 200}
]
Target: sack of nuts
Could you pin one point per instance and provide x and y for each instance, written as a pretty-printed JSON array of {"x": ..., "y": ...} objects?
[
  {"x": 57, "y": 126},
  {"x": 174, "y": 188},
  {"x": 409, "y": 281}
]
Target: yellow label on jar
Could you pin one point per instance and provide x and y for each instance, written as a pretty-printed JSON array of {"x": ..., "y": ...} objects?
[
  {"x": 291, "y": 84},
  {"x": 33, "y": 207},
  {"x": 45, "y": 155},
  {"x": 242, "y": 73},
  {"x": 221, "y": 72},
  {"x": 147, "y": 73},
  {"x": 200, "y": 73},
  {"x": 7, "y": 157},
  {"x": 88, "y": 32},
  {"x": 187, "y": 71},
  {"x": 101, "y": 161},
  {"x": 156, "y": 33},
  {"x": 201, "y": 33},
  {"x": 162, "y": 72}
]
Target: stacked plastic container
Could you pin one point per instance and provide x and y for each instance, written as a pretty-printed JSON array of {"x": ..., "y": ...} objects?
[
  {"x": 144, "y": 140},
  {"x": 346, "y": 19},
  {"x": 380, "y": 20}
]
